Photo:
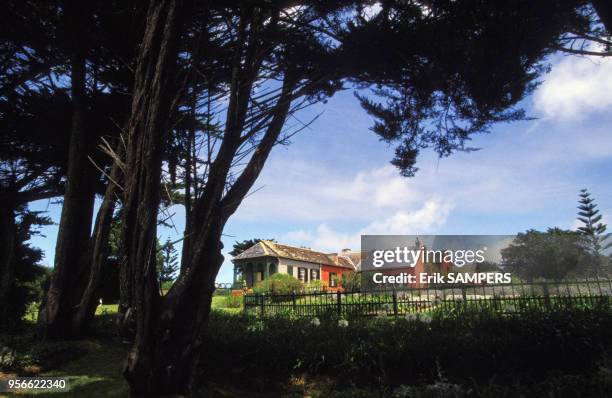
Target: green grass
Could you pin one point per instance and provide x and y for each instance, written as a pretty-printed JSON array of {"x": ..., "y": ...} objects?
[
  {"x": 91, "y": 367},
  {"x": 95, "y": 374},
  {"x": 107, "y": 309},
  {"x": 228, "y": 304}
]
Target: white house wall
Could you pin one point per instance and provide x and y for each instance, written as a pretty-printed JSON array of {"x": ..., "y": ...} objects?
[{"x": 284, "y": 262}]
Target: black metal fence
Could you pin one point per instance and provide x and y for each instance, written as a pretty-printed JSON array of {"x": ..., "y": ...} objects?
[{"x": 506, "y": 299}]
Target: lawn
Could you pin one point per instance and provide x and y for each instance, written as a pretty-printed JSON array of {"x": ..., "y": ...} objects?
[
  {"x": 97, "y": 373},
  {"x": 227, "y": 303}
]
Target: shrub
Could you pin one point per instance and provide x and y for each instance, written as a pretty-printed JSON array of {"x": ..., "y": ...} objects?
[
  {"x": 314, "y": 286},
  {"x": 351, "y": 281},
  {"x": 383, "y": 352},
  {"x": 279, "y": 284},
  {"x": 233, "y": 301}
]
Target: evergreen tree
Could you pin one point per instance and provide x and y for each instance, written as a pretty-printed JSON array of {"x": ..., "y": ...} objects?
[
  {"x": 593, "y": 231},
  {"x": 168, "y": 266}
]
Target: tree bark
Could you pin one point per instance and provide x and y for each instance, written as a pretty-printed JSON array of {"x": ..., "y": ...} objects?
[
  {"x": 189, "y": 168},
  {"x": 185, "y": 310},
  {"x": 8, "y": 231},
  {"x": 77, "y": 210},
  {"x": 169, "y": 331},
  {"x": 148, "y": 124},
  {"x": 97, "y": 253}
]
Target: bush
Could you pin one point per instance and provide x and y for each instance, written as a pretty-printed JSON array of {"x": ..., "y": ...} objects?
[
  {"x": 279, "y": 284},
  {"x": 351, "y": 281},
  {"x": 314, "y": 286},
  {"x": 382, "y": 352},
  {"x": 233, "y": 301}
]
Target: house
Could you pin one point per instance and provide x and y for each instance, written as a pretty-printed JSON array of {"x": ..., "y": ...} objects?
[
  {"x": 343, "y": 262},
  {"x": 266, "y": 258}
]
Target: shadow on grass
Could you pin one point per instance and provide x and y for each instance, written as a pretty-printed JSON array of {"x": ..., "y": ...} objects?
[{"x": 95, "y": 374}]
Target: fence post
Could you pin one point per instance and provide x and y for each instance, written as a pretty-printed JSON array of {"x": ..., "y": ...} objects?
[
  {"x": 339, "y": 303},
  {"x": 546, "y": 295},
  {"x": 395, "y": 303},
  {"x": 293, "y": 300},
  {"x": 464, "y": 297},
  {"x": 262, "y": 304}
]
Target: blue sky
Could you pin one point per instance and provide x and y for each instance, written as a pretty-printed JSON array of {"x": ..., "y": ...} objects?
[{"x": 334, "y": 182}]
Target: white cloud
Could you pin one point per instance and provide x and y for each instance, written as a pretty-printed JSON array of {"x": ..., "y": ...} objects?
[
  {"x": 420, "y": 221},
  {"x": 575, "y": 87},
  {"x": 303, "y": 191},
  {"x": 323, "y": 238},
  {"x": 433, "y": 214}
]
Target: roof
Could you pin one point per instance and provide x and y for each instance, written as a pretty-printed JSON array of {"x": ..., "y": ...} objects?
[
  {"x": 346, "y": 259},
  {"x": 266, "y": 248}
]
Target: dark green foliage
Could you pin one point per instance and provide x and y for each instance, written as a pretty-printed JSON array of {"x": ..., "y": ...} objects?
[
  {"x": 351, "y": 281},
  {"x": 471, "y": 348},
  {"x": 29, "y": 275},
  {"x": 594, "y": 231},
  {"x": 167, "y": 265},
  {"x": 553, "y": 254},
  {"x": 279, "y": 284},
  {"x": 458, "y": 68}
]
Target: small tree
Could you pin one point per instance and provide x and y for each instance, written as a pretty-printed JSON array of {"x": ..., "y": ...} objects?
[
  {"x": 594, "y": 231},
  {"x": 168, "y": 266}
]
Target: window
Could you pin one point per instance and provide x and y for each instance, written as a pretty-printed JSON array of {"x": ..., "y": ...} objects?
[
  {"x": 314, "y": 274},
  {"x": 290, "y": 270},
  {"x": 259, "y": 274},
  {"x": 302, "y": 274},
  {"x": 332, "y": 279}
]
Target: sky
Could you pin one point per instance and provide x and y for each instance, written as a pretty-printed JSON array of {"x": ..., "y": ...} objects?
[{"x": 334, "y": 182}]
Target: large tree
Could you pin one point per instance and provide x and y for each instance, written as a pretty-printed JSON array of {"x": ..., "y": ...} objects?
[
  {"x": 551, "y": 255},
  {"x": 94, "y": 58},
  {"x": 210, "y": 89},
  {"x": 280, "y": 59}
]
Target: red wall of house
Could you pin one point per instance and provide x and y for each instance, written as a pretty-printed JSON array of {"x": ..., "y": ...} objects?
[{"x": 326, "y": 269}]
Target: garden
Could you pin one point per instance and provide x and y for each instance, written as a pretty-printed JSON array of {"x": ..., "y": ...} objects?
[{"x": 464, "y": 353}]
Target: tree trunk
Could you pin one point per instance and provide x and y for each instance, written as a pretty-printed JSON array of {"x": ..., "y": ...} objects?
[
  {"x": 98, "y": 252},
  {"x": 77, "y": 210},
  {"x": 189, "y": 168},
  {"x": 7, "y": 249},
  {"x": 148, "y": 124},
  {"x": 184, "y": 311}
]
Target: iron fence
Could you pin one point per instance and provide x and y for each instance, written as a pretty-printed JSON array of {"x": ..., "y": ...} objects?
[{"x": 503, "y": 298}]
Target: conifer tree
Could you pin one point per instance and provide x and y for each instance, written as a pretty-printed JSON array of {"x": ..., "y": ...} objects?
[
  {"x": 593, "y": 230},
  {"x": 168, "y": 266}
]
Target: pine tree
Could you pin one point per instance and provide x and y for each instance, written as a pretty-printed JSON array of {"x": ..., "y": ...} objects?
[
  {"x": 593, "y": 231},
  {"x": 168, "y": 266}
]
